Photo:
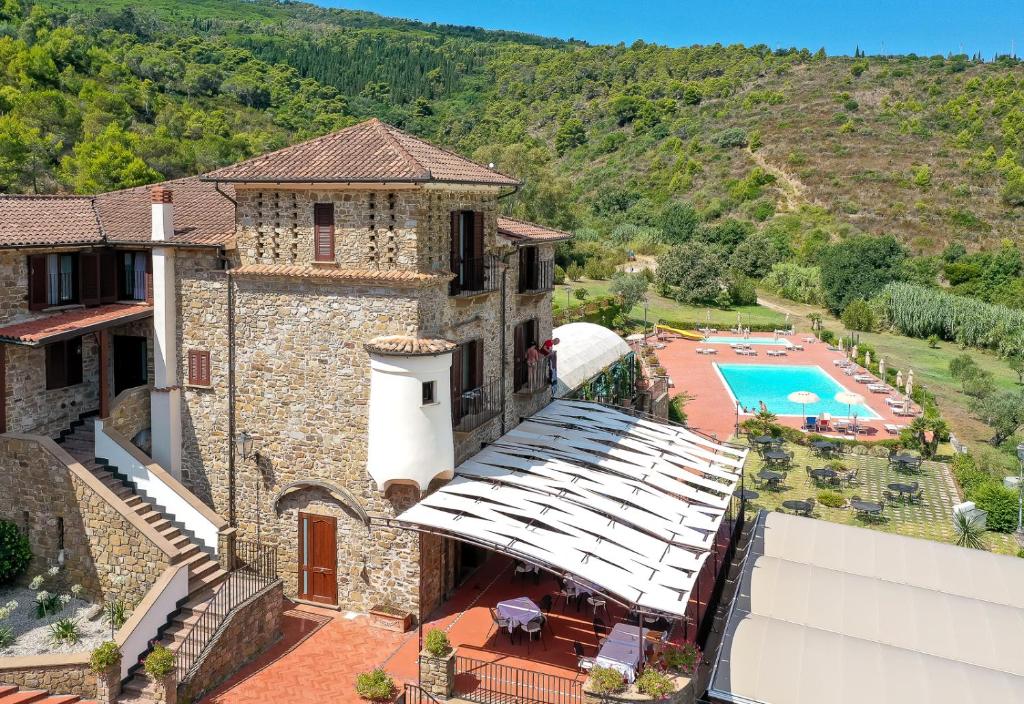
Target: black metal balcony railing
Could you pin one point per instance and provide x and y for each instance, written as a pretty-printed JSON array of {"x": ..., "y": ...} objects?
[
  {"x": 538, "y": 277},
  {"x": 475, "y": 275},
  {"x": 494, "y": 683},
  {"x": 473, "y": 408},
  {"x": 532, "y": 377}
]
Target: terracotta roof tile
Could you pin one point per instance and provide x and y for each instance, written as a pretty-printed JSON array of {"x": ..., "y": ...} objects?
[
  {"x": 522, "y": 230},
  {"x": 47, "y": 220},
  {"x": 202, "y": 216},
  {"x": 395, "y": 276},
  {"x": 72, "y": 323},
  {"x": 370, "y": 151},
  {"x": 409, "y": 346}
]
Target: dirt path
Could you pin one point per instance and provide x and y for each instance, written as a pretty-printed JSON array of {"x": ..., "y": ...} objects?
[{"x": 794, "y": 192}]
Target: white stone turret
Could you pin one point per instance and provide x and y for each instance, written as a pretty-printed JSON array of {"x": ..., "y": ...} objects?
[
  {"x": 410, "y": 419},
  {"x": 165, "y": 402}
]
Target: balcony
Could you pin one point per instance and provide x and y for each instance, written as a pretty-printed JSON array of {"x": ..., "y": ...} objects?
[
  {"x": 475, "y": 275},
  {"x": 531, "y": 378},
  {"x": 537, "y": 277},
  {"x": 473, "y": 408}
]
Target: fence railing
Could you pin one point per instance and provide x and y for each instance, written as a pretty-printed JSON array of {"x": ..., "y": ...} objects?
[
  {"x": 254, "y": 568},
  {"x": 532, "y": 377},
  {"x": 493, "y": 683},
  {"x": 477, "y": 406},
  {"x": 414, "y": 694},
  {"x": 538, "y": 277},
  {"x": 475, "y": 275}
]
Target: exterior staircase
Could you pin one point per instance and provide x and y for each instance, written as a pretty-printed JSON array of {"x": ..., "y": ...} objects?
[
  {"x": 205, "y": 573},
  {"x": 12, "y": 694}
]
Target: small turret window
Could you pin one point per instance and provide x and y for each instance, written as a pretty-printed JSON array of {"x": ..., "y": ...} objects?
[{"x": 429, "y": 392}]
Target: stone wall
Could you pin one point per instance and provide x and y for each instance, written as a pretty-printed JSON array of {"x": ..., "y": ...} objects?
[
  {"x": 131, "y": 411},
  {"x": 373, "y": 228},
  {"x": 104, "y": 551},
  {"x": 249, "y": 630},
  {"x": 48, "y": 673},
  {"x": 13, "y": 285}
]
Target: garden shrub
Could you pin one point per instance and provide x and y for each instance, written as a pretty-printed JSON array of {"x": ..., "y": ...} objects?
[
  {"x": 376, "y": 685},
  {"x": 1001, "y": 505},
  {"x": 654, "y": 684},
  {"x": 832, "y": 499},
  {"x": 15, "y": 552},
  {"x": 436, "y": 643},
  {"x": 605, "y": 680},
  {"x": 968, "y": 475},
  {"x": 683, "y": 659},
  {"x": 858, "y": 316},
  {"x": 559, "y": 275},
  {"x": 159, "y": 663},
  {"x": 104, "y": 656}
]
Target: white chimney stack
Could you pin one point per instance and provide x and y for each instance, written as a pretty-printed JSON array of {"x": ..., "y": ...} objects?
[{"x": 165, "y": 402}]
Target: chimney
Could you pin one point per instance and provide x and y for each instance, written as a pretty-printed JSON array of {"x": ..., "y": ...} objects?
[{"x": 165, "y": 402}]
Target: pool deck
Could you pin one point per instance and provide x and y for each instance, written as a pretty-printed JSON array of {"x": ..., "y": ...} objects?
[{"x": 712, "y": 410}]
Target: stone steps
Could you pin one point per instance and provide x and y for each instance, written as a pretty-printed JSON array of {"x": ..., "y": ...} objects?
[{"x": 12, "y": 694}]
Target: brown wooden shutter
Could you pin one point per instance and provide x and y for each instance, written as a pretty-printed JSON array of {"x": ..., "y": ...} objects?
[
  {"x": 478, "y": 364},
  {"x": 478, "y": 251},
  {"x": 199, "y": 367},
  {"x": 108, "y": 276},
  {"x": 519, "y": 356},
  {"x": 323, "y": 229},
  {"x": 455, "y": 254},
  {"x": 37, "y": 281},
  {"x": 56, "y": 366},
  {"x": 149, "y": 277},
  {"x": 456, "y": 382},
  {"x": 73, "y": 361},
  {"x": 89, "y": 292}
]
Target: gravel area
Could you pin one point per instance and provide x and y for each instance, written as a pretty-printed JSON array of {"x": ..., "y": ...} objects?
[{"x": 32, "y": 635}]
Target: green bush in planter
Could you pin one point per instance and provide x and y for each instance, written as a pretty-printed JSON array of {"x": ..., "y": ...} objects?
[
  {"x": 682, "y": 659},
  {"x": 104, "y": 656},
  {"x": 376, "y": 685},
  {"x": 436, "y": 643},
  {"x": 654, "y": 684},
  {"x": 15, "y": 552},
  {"x": 832, "y": 499},
  {"x": 605, "y": 680},
  {"x": 1001, "y": 504},
  {"x": 159, "y": 663}
]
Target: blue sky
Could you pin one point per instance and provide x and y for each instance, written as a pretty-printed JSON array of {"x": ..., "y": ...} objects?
[{"x": 918, "y": 26}]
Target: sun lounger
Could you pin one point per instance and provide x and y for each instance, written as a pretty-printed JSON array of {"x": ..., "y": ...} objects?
[
  {"x": 797, "y": 347},
  {"x": 776, "y": 353},
  {"x": 893, "y": 429},
  {"x": 840, "y": 362},
  {"x": 864, "y": 378},
  {"x": 878, "y": 388},
  {"x": 893, "y": 402}
]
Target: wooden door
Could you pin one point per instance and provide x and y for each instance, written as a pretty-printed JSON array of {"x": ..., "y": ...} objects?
[
  {"x": 130, "y": 362},
  {"x": 318, "y": 558}
]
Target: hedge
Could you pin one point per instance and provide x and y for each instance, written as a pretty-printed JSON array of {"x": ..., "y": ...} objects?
[{"x": 696, "y": 325}]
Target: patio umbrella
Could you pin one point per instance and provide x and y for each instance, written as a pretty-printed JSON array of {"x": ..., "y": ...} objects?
[
  {"x": 803, "y": 398},
  {"x": 867, "y": 360},
  {"x": 910, "y": 385},
  {"x": 849, "y": 398},
  {"x": 853, "y": 353},
  {"x": 881, "y": 368},
  {"x": 840, "y": 344},
  {"x": 899, "y": 379}
]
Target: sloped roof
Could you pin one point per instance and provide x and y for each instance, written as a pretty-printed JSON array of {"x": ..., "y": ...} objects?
[
  {"x": 409, "y": 346},
  {"x": 394, "y": 276},
  {"x": 528, "y": 231},
  {"x": 202, "y": 216},
  {"x": 370, "y": 151},
  {"x": 72, "y": 323},
  {"x": 45, "y": 220}
]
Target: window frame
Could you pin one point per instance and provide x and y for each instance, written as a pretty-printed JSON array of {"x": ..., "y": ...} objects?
[
  {"x": 319, "y": 209},
  {"x": 199, "y": 373},
  {"x": 64, "y": 364}
]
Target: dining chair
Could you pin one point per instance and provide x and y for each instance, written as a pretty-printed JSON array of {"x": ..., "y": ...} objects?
[
  {"x": 502, "y": 624},
  {"x": 534, "y": 626},
  {"x": 598, "y": 603},
  {"x": 600, "y": 630},
  {"x": 583, "y": 663}
]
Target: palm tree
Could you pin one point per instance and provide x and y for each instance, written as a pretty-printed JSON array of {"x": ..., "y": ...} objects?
[{"x": 968, "y": 532}]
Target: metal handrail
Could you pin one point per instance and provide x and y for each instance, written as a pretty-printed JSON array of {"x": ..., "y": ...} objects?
[
  {"x": 255, "y": 568},
  {"x": 414, "y": 694},
  {"x": 543, "y": 278},
  {"x": 475, "y": 275},
  {"x": 473, "y": 408},
  {"x": 494, "y": 683}
]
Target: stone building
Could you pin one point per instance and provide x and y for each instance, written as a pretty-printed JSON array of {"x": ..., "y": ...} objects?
[{"x": 354, "y": 305}]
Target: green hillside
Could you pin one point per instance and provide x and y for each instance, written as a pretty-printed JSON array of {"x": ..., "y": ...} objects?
[{"x": 635, "y": 148}]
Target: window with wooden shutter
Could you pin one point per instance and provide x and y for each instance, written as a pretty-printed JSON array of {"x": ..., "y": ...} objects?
[
  {"x": 323, "y": 232},
  {"x": 37, "y": 282},
  {"x": 199, "y": 367},
  {"x": 108, "y": 276},
  {"x": 64, "y": 363},
  {"x": 89, "y": 293}
]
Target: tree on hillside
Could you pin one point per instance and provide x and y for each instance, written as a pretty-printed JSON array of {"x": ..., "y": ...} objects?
[
  {"x": 678, "y": 221},
  {"x": 1003, "y": 411},
  {"x": 106, "y": 163},
  {"x": 691, "y": 273},
  {"x": 858, "y": 268},
  {"x": 631, "y": 288},
  {"x": 757, "y": 254}
]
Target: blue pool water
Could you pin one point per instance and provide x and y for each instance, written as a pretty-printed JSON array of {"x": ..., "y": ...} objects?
[
  {"x": 752, "y": 383},
  {"x": 717, "y": 340}
]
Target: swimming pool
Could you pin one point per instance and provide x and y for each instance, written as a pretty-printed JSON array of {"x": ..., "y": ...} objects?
[
  {"x": 752, "y": 383},
  {"x": 718, "y": 340}
]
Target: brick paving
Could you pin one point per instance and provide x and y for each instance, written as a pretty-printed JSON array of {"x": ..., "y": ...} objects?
[{"x": 712, "y": 410}]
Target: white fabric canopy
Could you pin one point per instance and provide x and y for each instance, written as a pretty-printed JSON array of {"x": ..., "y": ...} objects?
[
  {"x": 584, "y": 349},
  {"x": 628, "y": 504}
]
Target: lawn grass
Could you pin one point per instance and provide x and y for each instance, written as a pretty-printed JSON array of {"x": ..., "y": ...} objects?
[
  {"x": 660, "y": 308},
  {"x": 930, "y": 520}
]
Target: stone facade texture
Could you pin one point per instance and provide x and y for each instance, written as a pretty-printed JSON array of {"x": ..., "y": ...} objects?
[
  {"x": 301, "y": 375},
  {"x": 103, "y": 551},
  {"x": 437, "y": 675},
  {"x": 73, "y": 677},
  {"x": 249, "y": 630},
  {"x": 131, "y": 411},
  {"x": 13, "y": 286}
]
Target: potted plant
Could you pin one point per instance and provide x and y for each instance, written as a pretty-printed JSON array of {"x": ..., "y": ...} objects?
[
  {"x": 375, "y": 685},
  {"x": 437, "y": 664},
  {"x": 390, "y": 617}
]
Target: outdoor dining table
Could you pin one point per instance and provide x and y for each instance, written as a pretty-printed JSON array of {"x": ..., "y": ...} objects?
[
  {"x": 747, "y": 494},
  {"x": 775, "y": 456},
  {"x": 823, "y": 473},
  {"x": 905, "y": 490},
  {"x": 904, "y": 460},
  {"x": 797, "y": 506},
  {"x": 622, "y": 650},
  {"x": 868, "y": 507},
  {"x": 768, "y": 440},
  {"x": 770, "y": 476},
  {"x": 576, "y": 586},
  {"x": 823, "y": 447},
  {"x": 519, "y": 611}
]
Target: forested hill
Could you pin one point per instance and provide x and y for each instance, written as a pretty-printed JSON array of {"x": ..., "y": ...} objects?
[{"x": 621, "y": 143}]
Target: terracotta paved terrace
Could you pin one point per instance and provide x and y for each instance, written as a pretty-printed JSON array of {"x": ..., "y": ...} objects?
[{"x": 713, "y": 410}]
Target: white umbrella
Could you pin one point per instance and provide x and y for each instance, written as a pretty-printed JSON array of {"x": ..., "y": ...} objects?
[
  {"x": 881, "y": 368},
  {"x": 840, "y": 344},
  {"x": 853, "y": 352},
  {"x": 910, "y": 377},
  {"x": 849, "y": 398},
  {"x": 910, "y": 385},
  {"x": 899, "y": 379},
  {"x": 867, "y": 360},
  {"x": 803, "y": 398}
]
